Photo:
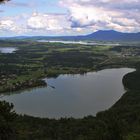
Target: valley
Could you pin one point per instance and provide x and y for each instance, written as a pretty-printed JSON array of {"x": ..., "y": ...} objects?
[{"x": 33, "y": 61}]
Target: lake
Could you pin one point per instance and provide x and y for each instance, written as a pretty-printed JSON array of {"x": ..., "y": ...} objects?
[
  {"x": 79, "y": 42},
  {"x": 7, "y": 49},
  {"x": 72, "y": 95}
]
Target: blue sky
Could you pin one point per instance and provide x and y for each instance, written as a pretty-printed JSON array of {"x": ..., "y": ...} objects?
[
  {"x": 16, "y": 7},
  {"x": 68, "y": 17}
]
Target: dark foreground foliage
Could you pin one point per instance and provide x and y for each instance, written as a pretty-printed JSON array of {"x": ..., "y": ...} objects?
[{"x": 7, "y": 116}]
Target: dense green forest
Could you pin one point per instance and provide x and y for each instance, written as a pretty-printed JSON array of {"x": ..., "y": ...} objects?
[{"x": 33, "y": 60}]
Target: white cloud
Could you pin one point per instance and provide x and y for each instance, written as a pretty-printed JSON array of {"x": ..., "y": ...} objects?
[
  {"x": 48, "y": 22},
  {"x": 121, "y": 15},
  {"x": 6, "y": 24},
  {"x": 11, "y": 25},
  {"x": 83, "y": 16}
]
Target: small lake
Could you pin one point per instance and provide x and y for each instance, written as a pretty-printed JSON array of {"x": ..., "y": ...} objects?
[
  {"x": 79, "y": 42},
  {"x": 73, "y": 96},
  {"x": 7, "y": 49}
]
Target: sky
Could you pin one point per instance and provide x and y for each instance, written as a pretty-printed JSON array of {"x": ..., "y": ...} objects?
[{"x": 68, "y": 17}]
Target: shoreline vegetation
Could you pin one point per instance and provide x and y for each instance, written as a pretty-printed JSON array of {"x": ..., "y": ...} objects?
[
  {"x": 32, "y": 61},
  {"x": 35, "y": 83},
  {"x": 120, "y": 122}
]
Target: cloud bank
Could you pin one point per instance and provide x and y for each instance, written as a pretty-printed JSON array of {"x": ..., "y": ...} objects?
[{"x": 82, "y": 16}]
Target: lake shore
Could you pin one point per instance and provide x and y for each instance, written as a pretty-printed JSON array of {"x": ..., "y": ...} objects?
[
  {"x": 39, "y": 82},
  {"x": 75, "y": 95},
  {"x": 118, "y": 118}
]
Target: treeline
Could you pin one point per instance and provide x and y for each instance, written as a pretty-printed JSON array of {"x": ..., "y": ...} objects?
[
  {"x": 132, "y": 80},
  {"x": 22, "y": 85}
]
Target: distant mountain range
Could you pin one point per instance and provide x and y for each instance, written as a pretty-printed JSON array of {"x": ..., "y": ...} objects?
[
  {"x": 111, "y": 35},
  {"x": 101, "y": 35}
]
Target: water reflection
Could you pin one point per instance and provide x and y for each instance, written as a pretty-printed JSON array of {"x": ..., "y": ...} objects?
[
  {"x": 73, "y": 95},
  {"x": 7, "y": 49}
]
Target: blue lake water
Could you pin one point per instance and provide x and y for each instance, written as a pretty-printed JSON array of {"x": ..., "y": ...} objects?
[
  {"x": 73, "y": 96},
  {"x": 79, "y": 42},
  {"x": 7, "y": 49}
]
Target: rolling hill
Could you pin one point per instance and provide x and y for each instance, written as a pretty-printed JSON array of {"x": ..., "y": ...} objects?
[{"x": 101, "y": 35}]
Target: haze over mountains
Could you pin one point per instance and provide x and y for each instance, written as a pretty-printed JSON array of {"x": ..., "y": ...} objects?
[{"x": 101, "y": 35}]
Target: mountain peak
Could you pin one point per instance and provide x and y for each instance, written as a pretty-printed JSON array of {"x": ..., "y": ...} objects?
[
  {"x": 112, "y": 35},
  {"x": 101, "y": 35},
  {"x": 106, "y": 31}
]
